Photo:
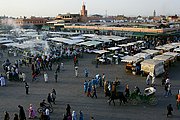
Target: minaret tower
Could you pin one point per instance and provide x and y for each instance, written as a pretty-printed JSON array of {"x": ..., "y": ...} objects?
[
  {"x": 154, "y": 13},
  {"x": 84, "y": 11}
]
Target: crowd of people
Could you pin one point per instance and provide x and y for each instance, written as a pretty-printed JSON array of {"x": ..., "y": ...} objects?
[{"x": 44, "y": 63}]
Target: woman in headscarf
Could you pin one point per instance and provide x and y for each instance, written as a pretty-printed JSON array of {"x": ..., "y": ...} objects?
[{"x": 32, "y": 113}]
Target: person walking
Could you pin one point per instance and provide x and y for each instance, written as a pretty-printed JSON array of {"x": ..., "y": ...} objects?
[
  {"x": 153, "y": 79},
  {"x": 167, "y": 80},
  {"x": 169, "y": 109},
  {"x": 47, "y": 114},
  {"x": 2, "y": 80},
  {"x": 6, "y": 116},
  {"x": 53, "y": 97},
  {"x": 62, "y": 66},
  {"x": 32, "y": 113},
  {"x": 49, "y": 99},
  {"x": 89, "y": 89},
  {"x": 169, "y": 89},
  {"x": 148, "y": 79},
  {"x": 56, "y": 76},
  {"x": 74, "y": 115},
  {"x": 178, "y": 100},
  {"x": 86, "y": 72},
  {"x": 81, "y": 115},
  {"x": 45, "y": 77},
  {"x": 16, "y": 117},
  {"x": 85, "y": 86},
  {"x": 22, "y": 115},
  {"x": 127, "y": 92},
  {"x": 76, "y": 71},
  {"x": 27, "y": 88},
  {"x": 23, "y": 77},
  {"x": 103, "y": 79},
  {"x": 68, "y": 110},
  {"x": 94, "y": 92}
]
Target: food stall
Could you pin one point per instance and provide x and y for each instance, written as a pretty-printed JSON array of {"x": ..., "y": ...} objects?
[
  {"x": 177, "y": 50},
  {"x": 167, "y": 59},
  {"x": 143, "y": 55},
  {"x": 151, "y": 52},
  {"x": 102, "y": 57},
  {"x": 152, "y": 66},
  {"x": 133, "y": 63},
  {"x": 175, "y": 55}
]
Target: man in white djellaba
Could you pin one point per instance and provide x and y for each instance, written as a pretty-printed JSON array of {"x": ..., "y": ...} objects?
[
  {"x": 45, "y": 77},
  {"x": 2, "y": 79}
]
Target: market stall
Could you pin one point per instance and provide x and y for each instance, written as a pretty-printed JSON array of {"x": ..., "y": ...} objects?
[{"x": 152, "y": 66}]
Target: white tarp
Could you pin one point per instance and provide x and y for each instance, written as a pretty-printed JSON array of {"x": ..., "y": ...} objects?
[
  {"x": 113, "y": 48},
  {"x": 123, "y": 45},
  {"x": 152, "y": 52},
  {"x": 90, "y": 43},
  {"x": 66, "y": 41},
  {"x": 130, "y": 59},
  {"x": 163, "y": 57},
  {"x": 143, "y": 55},
  {"x": 100, "y": 51},
  {"x": 171, "y": 54},
  {"x": 177, "y": 50}
]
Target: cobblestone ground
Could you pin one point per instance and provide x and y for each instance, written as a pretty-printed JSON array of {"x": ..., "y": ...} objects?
[{"x": 70, "y": 91}]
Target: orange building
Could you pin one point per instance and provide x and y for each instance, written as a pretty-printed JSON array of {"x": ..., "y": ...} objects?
[{"x": 37, "y": 21}]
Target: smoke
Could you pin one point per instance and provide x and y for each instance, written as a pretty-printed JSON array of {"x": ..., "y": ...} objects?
[{"x": 10, "y": 22}]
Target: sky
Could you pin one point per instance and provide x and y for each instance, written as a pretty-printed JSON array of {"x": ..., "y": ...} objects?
[{"x": 52, "y": 8}]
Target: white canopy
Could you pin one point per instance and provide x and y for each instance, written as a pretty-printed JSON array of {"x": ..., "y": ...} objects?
[
  {"x": 123, "y": 45},
  {"x": 143, "y": 55},
  {"x": 140, "y": 41},
  {"x": 166, "y": 47},
  {"x": 163, "y": 57},
  {"x": 90, "y": 43},
  {"x": 100, "y": 51},
  {"x": 66, "y": 41},
  {"x": 113, "y": 48},
  {"x": 130, "y": 59},
  {"x": 152, "y": 52},
  {"x": 131, "y": 44},
  {"x": 171, "y": 54},
  {"x": 177, "y": 50}
]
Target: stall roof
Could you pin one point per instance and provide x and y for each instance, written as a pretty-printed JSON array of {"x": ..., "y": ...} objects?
[
  {"x": 171, "y": 54},
  {"x": 162, "y": 57},
  {"x": 89, "y": 35},
  {"x": 77, "y": 37},
  {"x": 114, "y": 38},
  {"x": 151, "y": 62},
  {"x": 130, "y": 59},
  {"x": 66, "y": 41},
  {"x": 176, "y": 44},
  {"x": 167, "y": 48},
  {"x": 113, "y": 48},
  {"x": 105, "y": 40},
  {"x": 131, "y": 44},
  {"x": 139, "y": 41},
  {"x": 152, "y": 52},
  {"x": 170, "y": 45},
  {"x": 90, "y": 43},
  {"x": 143, "y": 55},
  {"x": 100, "y": 51},
  {"x": 6, "y": 41},
  {"x": 123, "y": 45},
  {"x": 100, "y": 39},
  {"x": 177, "y": 50},
  {"x": 59, "y": 39}
]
